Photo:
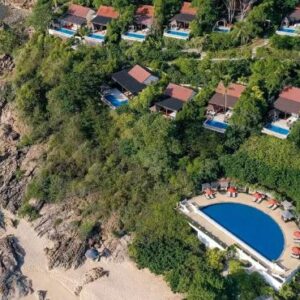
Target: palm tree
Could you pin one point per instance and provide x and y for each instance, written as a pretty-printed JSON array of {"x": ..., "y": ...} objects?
[{"x": 226, "y": 83}]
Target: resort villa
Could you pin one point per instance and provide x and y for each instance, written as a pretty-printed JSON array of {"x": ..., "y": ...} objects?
[
  {"x": 253, "y": 224},
  {"x": 179, "y": 27},
  {"x": 221, "y": 105},
  {"x": 291, "y": 24},
  {"x": 104, "y": 16},
  {"x": 143, "y": 20},
  {"x": 76, "y": 17},
  {"x": 128, "y": 83},
  {"x": 285, "y": 113},
  {"x": 175, "y": 96}
]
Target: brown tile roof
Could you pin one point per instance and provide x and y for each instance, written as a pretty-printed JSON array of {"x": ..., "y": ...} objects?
[
  {"x": 139, "y": 73},
  {"x": 289, "y": 100},
  {"x": 145, "y": 10},
  {"x": 107, "y": 11},
  {"x": 295, "y": 15},
  {"x": 234, "y": 89},
  {"x": 188, "y": 9},
  {"x": 78, "y": 10},
  {"x": 291, "y": 93},
  {"x": 219, "y": 100},
  {"x": 179, "y": 92}
]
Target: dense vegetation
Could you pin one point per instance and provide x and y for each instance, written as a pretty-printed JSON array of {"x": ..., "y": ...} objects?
[{"x": 138, "y": 163}]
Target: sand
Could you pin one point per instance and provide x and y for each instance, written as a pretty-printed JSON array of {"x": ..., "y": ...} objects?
[{"x": 124, "y": 282}]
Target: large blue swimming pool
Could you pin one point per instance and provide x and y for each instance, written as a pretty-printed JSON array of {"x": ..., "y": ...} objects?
[
  {"x": 250, "y": 225},
  {"x": 277, "y": 129},
  {"x": 115, "y": 101}
]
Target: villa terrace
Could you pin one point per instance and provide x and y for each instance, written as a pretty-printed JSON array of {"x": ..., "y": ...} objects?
[
  {"x": 291, "y": 24},
  {"x": 215, "y": 236},
  {"x": 221, "y": 105},
  {"x": 105, "y": 15},
  {"x": 76, "y": 17},
  {"x": 285, "y": 113},
  {"x": 179, "y": 27},
  {"x": 175, "y": 96},
  {"x": 141, "y": 27}
]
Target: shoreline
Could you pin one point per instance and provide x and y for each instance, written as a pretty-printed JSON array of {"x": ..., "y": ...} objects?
[{"x": 125, "y": 280}]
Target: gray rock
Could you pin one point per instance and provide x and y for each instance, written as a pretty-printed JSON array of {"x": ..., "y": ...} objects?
[{"x": 13, "y": 283}]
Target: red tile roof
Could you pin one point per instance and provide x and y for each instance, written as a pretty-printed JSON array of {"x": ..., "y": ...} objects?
[
  {"x": 138, "y": 73},
  {"x": 145, "y": 10},
  {"x": 78, "y": 10},
  {"x": 234, "y": 89},
  {"x": 291, "y": 93},
  {"x": 188, "y": 9},
  {"x": 107, "y": 11},
  {"x": 179, "y": 92}
]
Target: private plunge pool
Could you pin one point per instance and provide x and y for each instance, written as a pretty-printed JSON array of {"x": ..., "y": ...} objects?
[{"x": 250, "y": 225}]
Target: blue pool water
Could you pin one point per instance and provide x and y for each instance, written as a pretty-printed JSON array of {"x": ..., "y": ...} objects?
[
  {"x": 97, "y": 36},
  {"x": 135, "y": 35},
  {"x": 250, "y": 225},
  {"x": 216, "y": 124},
  {"x": 277, "y": 129},
  {"x": 115, "y": 101},
  {"x": 289, "y": 30},
  {"x": 179, "y": 33},
  {"x": 220, "y": 29},
  {"x": 66, "y": 31}
]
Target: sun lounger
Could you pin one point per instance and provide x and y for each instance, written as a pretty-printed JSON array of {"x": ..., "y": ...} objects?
[
  {"x": 295, "y": 256},
  {"x": 274, "y": 207},
  {"x": 260, "y": 200}
]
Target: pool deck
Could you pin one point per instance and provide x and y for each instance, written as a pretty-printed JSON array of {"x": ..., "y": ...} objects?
[{"x": 285, "y": 260}]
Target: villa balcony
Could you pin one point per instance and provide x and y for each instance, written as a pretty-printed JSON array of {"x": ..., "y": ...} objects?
[
  {"x": 62, "y": 32},
  {"x": 181, "y": 34},
  {"x": 292, "y": 31},
  {"x": 279, "y": 128},
  {"x": 218, "y": 123},
  {"x": 136, "y": 36}
]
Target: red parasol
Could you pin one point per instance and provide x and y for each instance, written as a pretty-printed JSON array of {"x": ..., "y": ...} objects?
[
  {"x": 297, "y": 234},
  {"x": 232, "y": 189},
  {"x": 273, "y": 202},
  {"x": 296, "y": 250},
  {"x": 257, "y": 195}
]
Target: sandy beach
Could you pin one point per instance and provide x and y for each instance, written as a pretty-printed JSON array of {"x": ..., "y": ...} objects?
[{"x": 124, "y": 282}]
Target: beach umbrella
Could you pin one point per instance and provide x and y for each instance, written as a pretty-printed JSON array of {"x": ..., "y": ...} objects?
[
  {"x": 272, "y": 202},
  {"x": 296, "y": 250},
  {"x": 287, "y": 215},
  {"x": 287, "y": 205},
  {"x": 209, "y": 192},
  {"x": 257, "y": 195},
  {"x": 92, "y": 253},
  {"x": 205, "y": 186},
  {"x": 297, "y": 234},
  {"x": 232, "y": 189}
]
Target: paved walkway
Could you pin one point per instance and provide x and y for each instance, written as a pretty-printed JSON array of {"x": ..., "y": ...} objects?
[{"x": 287, "y": 228}]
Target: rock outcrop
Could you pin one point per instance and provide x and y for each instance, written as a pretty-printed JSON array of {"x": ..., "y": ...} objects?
[
  {"x": 57, "y": 223},
  {"x": 20, "y": 4},
  {"x": 13, "y": 284},
  {"x": 6, "y": 64},
  {"x": 91, "y": 276}
]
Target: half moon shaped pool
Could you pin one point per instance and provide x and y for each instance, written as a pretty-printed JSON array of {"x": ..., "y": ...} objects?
[{"x": 250, "y": 225}]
